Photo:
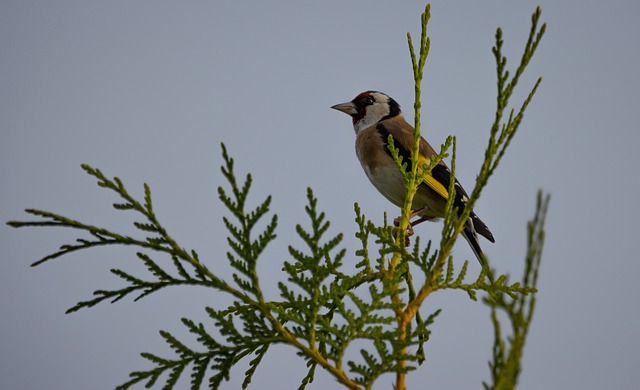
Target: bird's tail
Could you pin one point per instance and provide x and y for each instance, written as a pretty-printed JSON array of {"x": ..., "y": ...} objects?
[
  {"x": 472, "y": 239},
  {"x": 481, "y": 228},
  {"x": 469, "y": 233}
]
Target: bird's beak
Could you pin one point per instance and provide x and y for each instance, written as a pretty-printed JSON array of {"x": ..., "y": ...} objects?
[{"x": 348, "y": 108}]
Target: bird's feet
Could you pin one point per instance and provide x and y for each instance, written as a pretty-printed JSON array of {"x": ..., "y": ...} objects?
[{"x": 407, "y": 239}]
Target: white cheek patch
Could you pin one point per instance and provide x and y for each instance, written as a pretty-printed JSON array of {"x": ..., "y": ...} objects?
[
  {"x": 375, "y": 112},
  {"x": 361, "y": 125}
]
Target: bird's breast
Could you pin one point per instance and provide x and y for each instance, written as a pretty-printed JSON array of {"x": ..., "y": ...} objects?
[{"x": 379, "y": 166}]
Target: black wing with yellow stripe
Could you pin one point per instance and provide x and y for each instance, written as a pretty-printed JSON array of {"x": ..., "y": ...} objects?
[
  {"x": 439, "y": 179},
  {"x": 442, "y": 174}
]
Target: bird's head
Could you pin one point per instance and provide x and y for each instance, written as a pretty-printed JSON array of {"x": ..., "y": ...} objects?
[{"x": 369, "y": 108}]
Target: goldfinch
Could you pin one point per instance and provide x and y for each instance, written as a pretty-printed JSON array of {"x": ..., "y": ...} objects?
[{"x": 376, "y": 116}]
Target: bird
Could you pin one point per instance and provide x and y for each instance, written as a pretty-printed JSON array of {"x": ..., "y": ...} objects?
[{"x": 375, "y": 117}]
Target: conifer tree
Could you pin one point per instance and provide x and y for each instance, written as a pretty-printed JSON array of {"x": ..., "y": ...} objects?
[{"x": 323, "y": 311}]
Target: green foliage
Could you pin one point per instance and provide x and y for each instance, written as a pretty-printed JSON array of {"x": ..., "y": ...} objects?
[
  {"x": 507, "y": 352},
  {"x": 356, "y": 327}
]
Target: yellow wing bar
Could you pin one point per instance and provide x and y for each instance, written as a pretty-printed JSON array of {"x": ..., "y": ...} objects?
[{"x": 431, "y": 181}]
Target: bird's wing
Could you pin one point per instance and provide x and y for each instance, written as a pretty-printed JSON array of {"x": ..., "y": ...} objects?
[
  {"x": 438, "y": 180},
  {"x": 402, "y": 133}
]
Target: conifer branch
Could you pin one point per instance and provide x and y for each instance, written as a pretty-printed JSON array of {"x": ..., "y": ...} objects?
[
  {"x": 498, "y": 142},
  {"x": 323, "y": 312},
  {"x": 519, "y": 308}
]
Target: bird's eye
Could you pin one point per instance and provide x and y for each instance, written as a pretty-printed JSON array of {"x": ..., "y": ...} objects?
[{"x": 368, "y": 100}]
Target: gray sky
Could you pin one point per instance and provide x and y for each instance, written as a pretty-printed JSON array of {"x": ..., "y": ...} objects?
[{"x": 147, "y": 90}]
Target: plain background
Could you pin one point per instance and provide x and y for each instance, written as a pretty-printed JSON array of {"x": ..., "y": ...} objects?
[{"x": 147, "y": 90}]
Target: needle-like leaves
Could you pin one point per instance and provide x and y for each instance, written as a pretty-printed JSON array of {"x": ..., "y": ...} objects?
[{"x": 355, "y": 327}]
